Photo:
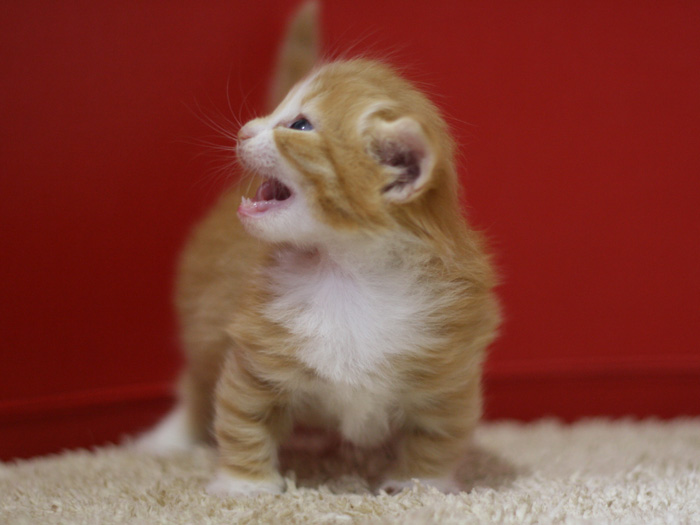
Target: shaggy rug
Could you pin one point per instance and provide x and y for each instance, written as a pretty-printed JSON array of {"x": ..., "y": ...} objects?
[{"x": 545, "y": 472}]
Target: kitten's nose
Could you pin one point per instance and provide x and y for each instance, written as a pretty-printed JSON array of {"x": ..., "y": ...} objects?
[
  {"x": 252, "y": 128},
  {"x": 246, "y": 132}
]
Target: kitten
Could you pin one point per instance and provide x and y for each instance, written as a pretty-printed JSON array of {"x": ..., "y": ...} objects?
[{"x": 348, "y": 291}]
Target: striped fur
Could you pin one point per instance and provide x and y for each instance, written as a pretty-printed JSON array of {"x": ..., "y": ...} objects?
[{"x": 363, "y": 303}]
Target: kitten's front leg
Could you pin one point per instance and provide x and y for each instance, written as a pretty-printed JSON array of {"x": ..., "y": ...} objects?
[
  {"x": 249, "y": 425},
  {"x": 429, "y": 454}
]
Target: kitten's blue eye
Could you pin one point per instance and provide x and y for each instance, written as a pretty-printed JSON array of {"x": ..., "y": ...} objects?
[{"x": 301, "y": 124}]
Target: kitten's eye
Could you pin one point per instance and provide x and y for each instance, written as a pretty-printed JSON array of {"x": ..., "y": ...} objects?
[{"x": 301, "y": 124}]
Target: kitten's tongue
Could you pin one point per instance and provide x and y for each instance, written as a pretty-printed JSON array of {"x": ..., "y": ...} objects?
[{"x": 270, "y": 194}]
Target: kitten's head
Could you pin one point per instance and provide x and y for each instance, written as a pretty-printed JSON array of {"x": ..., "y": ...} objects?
[{"x": 352, "y": 150}]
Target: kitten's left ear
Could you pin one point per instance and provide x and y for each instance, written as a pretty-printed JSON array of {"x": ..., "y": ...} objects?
[{"x": 402, "y": 146}]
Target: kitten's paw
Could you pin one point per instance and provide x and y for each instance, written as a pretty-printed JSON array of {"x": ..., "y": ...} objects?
[
  {"x": 172, "y": 434},
  {"x": 225, "y": 485},
  {"x": 446, "y": 485}
]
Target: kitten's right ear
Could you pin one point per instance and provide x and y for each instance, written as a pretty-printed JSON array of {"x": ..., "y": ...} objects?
[{"x": 403, "y": 148}]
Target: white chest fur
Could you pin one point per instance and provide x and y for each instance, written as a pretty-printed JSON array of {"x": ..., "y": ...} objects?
[{"x": 348, "y": 318}]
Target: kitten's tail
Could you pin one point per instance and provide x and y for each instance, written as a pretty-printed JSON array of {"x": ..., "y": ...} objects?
[{"x": 298, "y": 53}]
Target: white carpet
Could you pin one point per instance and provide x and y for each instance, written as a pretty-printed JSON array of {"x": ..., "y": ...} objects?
[{"x": 591, "y": 472}]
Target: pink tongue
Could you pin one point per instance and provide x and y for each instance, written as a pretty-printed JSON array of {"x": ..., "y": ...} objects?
[
  {"x": 272, "y": 190},
  {"x": 266, "y": 191},
  {"x": 270, "y": 194}
]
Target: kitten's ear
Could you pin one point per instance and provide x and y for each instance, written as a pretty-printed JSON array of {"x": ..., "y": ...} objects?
[{"x": 402, "y": 146}]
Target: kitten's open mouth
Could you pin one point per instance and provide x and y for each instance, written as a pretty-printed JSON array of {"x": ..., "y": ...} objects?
[{"x": 270, "y": 195}]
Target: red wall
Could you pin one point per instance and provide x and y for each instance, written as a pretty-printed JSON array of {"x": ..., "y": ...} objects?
[{"x": 579, "y": 125}]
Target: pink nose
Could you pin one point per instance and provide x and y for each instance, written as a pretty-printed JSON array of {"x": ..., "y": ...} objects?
[{"x": 246, "y": 132}]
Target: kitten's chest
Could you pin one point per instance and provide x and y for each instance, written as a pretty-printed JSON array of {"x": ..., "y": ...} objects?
[{"x": 346, "y": 325}]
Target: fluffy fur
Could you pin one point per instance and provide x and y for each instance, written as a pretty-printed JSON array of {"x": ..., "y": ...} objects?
[{"x": 348, "y": 292}]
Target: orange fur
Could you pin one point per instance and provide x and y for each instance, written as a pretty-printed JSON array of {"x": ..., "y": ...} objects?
[
  {"x": 433, "y": 392},
  {"x": 298, "y": 53},
  {"x": 361, "y": 300}
]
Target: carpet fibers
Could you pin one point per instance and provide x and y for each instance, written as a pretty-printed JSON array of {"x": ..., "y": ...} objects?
[{"x": 544, "y": 472}]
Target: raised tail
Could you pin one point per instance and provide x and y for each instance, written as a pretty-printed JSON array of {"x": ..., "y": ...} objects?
[{"x": 298, "y": 53}]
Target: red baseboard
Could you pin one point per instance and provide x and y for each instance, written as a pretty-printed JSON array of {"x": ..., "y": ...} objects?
[
  {"x": 575, "y": 396},
  {"x": 78, "y": 420},
  {"x": 86, "y": 419}
]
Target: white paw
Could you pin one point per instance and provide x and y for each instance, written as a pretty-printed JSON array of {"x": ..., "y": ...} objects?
[
  {"x": 446, "y": 485},
  {"x": 227, "y": 486},
  {"x": 172, "y": 434}
]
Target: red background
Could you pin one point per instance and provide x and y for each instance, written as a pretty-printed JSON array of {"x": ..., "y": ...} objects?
[{"x": 579, "y": 126}]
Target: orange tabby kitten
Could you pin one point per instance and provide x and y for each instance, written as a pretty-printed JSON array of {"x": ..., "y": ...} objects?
[{"x": 347, "y": 291}]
